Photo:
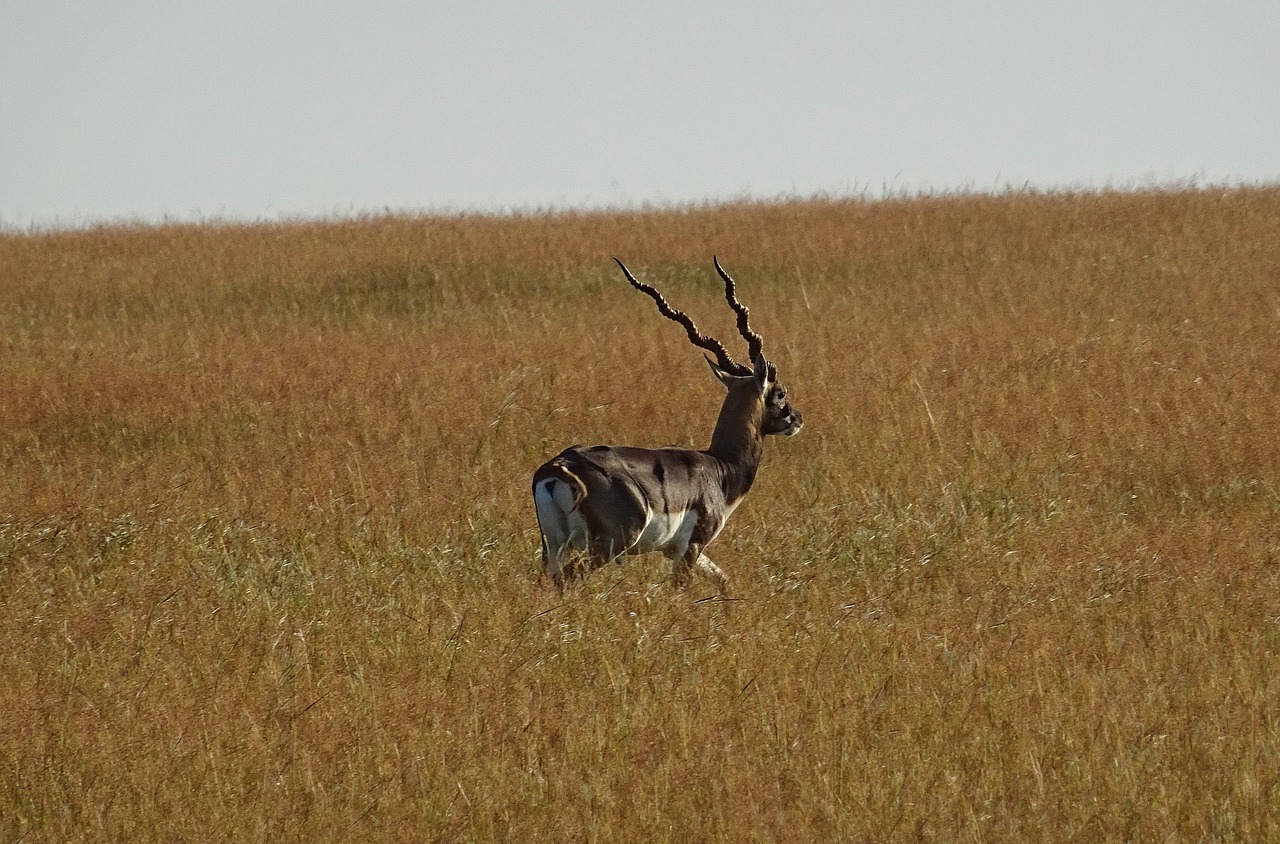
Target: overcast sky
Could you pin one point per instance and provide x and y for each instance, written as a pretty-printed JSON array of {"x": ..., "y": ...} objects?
[{"x": 134, "y": 110}]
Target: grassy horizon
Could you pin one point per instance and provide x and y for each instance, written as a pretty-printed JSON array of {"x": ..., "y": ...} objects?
[{"x": 269, "y": 560}]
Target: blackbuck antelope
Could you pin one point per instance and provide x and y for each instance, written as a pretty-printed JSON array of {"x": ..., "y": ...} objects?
[{"x": 611, "y": 500}]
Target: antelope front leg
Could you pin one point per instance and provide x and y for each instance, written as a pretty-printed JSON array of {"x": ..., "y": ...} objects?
[
  {"x": 680, "y": 568},
  {"x": 693, "y": 558},
  {"x": 712, "y": 572}
]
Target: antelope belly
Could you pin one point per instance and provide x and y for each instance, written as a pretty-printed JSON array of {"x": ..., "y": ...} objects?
[{"x": 667, "y": 532}]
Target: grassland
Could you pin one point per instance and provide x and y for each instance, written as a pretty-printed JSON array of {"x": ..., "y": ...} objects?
[{"x": 268, "y": 557}]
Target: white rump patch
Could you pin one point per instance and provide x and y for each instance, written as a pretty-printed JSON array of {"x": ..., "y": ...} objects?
[{"x": 561, "y": 524}]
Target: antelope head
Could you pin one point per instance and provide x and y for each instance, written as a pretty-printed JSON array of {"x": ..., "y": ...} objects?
[{"x": 756, "y": 384}]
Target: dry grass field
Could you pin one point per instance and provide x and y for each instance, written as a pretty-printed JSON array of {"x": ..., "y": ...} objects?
[{"x": 268, "y": 557}]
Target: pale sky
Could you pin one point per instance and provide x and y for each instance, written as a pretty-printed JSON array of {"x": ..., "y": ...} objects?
[{"x": 265, "y": 110}]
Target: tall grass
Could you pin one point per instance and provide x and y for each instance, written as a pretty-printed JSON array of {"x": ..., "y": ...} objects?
[{"x": 268, "y": 560}]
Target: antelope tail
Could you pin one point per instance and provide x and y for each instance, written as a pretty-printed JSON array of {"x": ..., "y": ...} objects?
[{"x": 558, "y": 468}]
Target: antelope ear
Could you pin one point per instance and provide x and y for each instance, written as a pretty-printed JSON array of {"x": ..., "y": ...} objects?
[
  {"x": 764, "y": 372},
  {"x": 725, "y": 378}
]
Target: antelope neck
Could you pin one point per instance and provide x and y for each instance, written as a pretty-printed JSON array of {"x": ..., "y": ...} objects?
[{"x": 737, "y": 441}]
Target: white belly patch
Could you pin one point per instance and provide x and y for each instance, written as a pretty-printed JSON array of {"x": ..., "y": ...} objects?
[{"x": 667, "y": 532}]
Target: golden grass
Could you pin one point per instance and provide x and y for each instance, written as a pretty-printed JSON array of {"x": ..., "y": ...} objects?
[{"x": 268, "y": 559}]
